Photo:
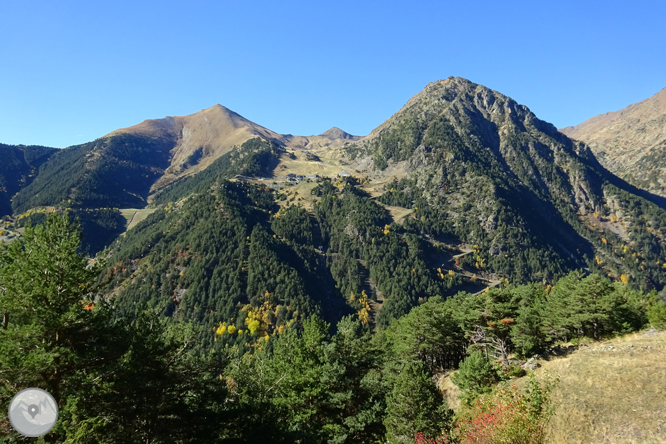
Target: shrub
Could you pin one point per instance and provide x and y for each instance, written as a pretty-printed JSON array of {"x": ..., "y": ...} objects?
[
  {"x": 507, "y": 416},
  {"x": 515, "y": 371},
  {"x": 656, "y": 313},
  {"x": 476, "y": 375}
]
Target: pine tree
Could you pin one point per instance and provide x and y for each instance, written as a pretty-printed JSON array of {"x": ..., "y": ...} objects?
[
  {"x": 476, "y": 375},
  {"x": 415, "y": 405},
  {"x": 46, "y": 296},
  {"x": 115, "y": 381}
]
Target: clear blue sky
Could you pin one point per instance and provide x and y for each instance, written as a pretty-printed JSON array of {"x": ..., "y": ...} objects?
[{"x": 72, "y": 71}]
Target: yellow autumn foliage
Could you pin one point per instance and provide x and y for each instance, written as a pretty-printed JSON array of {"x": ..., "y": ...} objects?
[
  {"x": 221, "y": 329},
  {"x": 364, "y": 312}
]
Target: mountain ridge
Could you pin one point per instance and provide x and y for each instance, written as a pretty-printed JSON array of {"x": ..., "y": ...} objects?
[
  {"x": 462, "y": 161},
  {"x": 630, "y": 142}
]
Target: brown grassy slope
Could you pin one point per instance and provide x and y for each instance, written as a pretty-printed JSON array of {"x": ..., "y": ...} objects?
[
  {"x": 631, "y": 142},
  {"x": 135, "y": 215},
  {"x": 207, "y": 135},
  {"x": 610, "y": 392}
]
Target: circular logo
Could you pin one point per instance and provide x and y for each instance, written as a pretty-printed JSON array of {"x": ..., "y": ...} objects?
[{"x": 33, "y": 412}]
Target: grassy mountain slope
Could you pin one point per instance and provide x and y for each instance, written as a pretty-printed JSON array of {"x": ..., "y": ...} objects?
[
  {"x": 20, "y": 164},
  {"x": 610, "y": 391},
  {"x": 199, "y": 139},
  {"x": 631, "y": 142}
]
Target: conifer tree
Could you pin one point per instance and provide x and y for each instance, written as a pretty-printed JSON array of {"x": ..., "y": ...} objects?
[{"x": 414, "y": 405}]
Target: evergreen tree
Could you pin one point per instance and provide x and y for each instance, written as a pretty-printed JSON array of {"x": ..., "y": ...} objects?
[
  {"x": 430, "y": 334},
  {"x": 49, "y": 332},
  {"x": 115, "y": 381},
  {"x": 414, "y": 405},
  {"x": 476, "y": 375}
]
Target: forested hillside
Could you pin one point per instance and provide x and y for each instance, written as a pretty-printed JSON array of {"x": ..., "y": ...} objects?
[
  {"x": 487, "y": 171},
  {"x": 112, "y": 172},
  {"x": 123, "y": 373},
  {"x": 19, "y": 167}
]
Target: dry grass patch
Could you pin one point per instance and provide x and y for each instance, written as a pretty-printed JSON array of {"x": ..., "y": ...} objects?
[
  {"x": 325, "y": 167},
  {"x": 302, "y": 194},
  {"x": 610, "y": 392},
  {"x": 135, "y": 215},
  {"x": 398, "y": 213}
]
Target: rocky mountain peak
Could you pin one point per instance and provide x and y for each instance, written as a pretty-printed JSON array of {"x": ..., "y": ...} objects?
[{"x": 336, "y": 133}]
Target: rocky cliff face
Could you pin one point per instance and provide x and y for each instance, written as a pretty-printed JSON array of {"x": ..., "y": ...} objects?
[{"x": 631, "y": 142}]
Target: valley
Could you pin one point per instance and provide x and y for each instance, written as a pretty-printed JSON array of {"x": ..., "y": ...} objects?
[{"x": 462, "y": 236}]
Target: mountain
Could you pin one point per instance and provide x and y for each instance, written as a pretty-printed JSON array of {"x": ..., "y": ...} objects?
[
  {"x": 219, "y": 306},
  {"x": 199, "y": 138},
  {"x": 20, "y": 165},
  {"x": 326, "y": 142},
  {"x": 631, "y": 142},
  {"x": 462, "y": 189},
  {"x": 123, "y": 168},
  {"x": 489, "y": 172},
  {"x": 336, "y": 133}
]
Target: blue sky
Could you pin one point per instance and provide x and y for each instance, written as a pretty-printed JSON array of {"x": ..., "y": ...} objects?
[{"x": 72, "y": 71}]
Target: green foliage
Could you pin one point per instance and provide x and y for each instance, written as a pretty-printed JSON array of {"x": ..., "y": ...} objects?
[
  {"x": 588, "y": 307},
  {"x": 476, "y": 375},
  {"x": 355, "y": 229},
  {"x": 111, "y": 172},
  {"x": 147, "y": 377},
  {"x": 45, "y": 286},
  {"x": 208, "y": 257},
  {"x": 656, "y": 314},
  {"x": 312, "y": 388},
  {"x": 114, "y": 381},
  {"x": 293, "y": 224},
  {"x": 414, "y": 405},
  {"x": 20, "y": 165},
  {"x": 430, "y": 334},
  {"x": 99, "y": 227}
]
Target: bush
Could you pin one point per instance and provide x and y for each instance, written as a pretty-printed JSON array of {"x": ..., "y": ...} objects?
[
  {"x": 507, "y": 416},
  {"x": 515, "y": 371},
  {"x": 656, "y": 314},
  {"x": 476, "y": 375}
]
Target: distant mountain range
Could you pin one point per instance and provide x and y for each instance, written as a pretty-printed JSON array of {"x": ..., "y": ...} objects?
[
  {"x": 631, "y": 142},
  {"x": 125, "y": 167},
  {"x": 460, "y": 189}
]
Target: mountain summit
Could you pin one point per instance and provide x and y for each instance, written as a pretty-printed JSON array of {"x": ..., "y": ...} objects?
[
  {"x": 490, "y": 173},
  {"x": 630, "y": 142},
  {"x": 199, "y": 138},
  {"x": 336, "y": 133},
  {"x": 123, "y": 168}
]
